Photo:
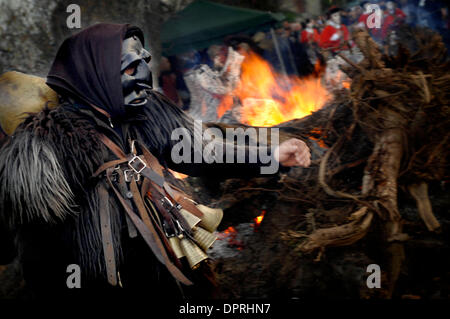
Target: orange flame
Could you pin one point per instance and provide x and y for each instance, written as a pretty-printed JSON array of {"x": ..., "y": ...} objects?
[
  {"x": 259, "y": 218},
  {"x": 318, "y": 135},
  {"x": 231, "y": 235},
  {"x": 269, "y": 98},
  {"x": 230, "y": 230}
]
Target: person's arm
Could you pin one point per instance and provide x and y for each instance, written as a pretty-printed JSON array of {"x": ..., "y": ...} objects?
[
  {"x": 169, "y": 133},
  {"x": 216, "y": 155}
]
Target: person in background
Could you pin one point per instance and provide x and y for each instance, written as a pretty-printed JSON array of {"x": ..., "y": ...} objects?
[
  {"x": 309, "y": 40},
  {"x": 243, "y": 44},
  {"x": 286, "y": 29},
  {"x": 410, "y": 9},
  {"x": 344, "y": 17},
  {"x": 183, "y": 64},
  {"x": 168, "y": 81},
  {"x": 283, "y": 39},
  {"x": 309, "y": 34},
  {"x": 354, "y": 14},
  {"x": 363, "y": 23},
  {"x": 320, "y": 23},
  {"x": 335, "y": 41},
  {"x": 335, "y": 35},
  {"x": 267, "y": 48},
  {"x": 393, "y": 17},
  {"x": 208, "y": 86},
  {"x": 296, "y": 30}
]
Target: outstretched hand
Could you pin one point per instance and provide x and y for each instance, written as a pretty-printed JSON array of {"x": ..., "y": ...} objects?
[{"x": 293, "y": 152}]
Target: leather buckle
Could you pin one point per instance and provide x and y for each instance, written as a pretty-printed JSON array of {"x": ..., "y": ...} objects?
[{"x": 140, "y": 164}]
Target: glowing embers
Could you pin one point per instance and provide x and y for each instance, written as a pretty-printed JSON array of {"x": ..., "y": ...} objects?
[
  {"x": 258, "y": 220},
  {"x": 230, "y": 235},
  {"x": 232, "y": 240}
]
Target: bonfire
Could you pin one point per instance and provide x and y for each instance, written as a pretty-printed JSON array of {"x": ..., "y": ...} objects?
[{"x": 377, "y": 142}]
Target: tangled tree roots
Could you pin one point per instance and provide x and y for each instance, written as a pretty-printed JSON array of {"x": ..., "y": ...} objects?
[
  {"x": 401, "y": 103},
  {"x": 387, "y": 135}
]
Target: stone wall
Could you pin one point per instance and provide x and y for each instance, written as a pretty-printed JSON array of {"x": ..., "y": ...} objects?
[{"x": 31, "y": 31}]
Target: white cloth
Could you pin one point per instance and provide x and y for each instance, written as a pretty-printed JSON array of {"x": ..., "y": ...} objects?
[
  {"x": 207, "y": 87},
  {"x": 334, "y": 76},
  {"x": 335, "y": 36}
]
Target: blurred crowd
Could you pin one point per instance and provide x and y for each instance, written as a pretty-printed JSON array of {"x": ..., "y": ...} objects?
[{"x": 198, "y": 81}]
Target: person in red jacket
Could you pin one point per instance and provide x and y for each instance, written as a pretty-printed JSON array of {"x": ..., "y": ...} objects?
[
  {"x": 309, "y": 34},
  {"x": 362, "y": 21},
  {"x": 335, "y": 35},
  {"x": 366, "y": 19},
  {"x": 393, "y": 17}
]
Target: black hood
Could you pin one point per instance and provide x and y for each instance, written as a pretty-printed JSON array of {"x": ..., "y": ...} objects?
[{"x": 87, "y": 67}]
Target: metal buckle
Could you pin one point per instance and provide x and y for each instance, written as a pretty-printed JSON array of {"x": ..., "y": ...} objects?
[
  {"x": 128, "y": 173},
  {"x": 165, "y": 200},
  {"x": 115, "y": 173},
  {"x": 141, "y": 162},
  {"x": 173, "y": 232}
]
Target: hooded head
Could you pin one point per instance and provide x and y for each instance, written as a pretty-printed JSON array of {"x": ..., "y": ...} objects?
[
  {"x": 390, "y": 6},
  {"x": 89, "y": 67},
  {"x": 334, "y": 14}
]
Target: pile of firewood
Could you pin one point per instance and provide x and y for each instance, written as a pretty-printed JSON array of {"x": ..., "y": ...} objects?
[
  {"x": 401, "y": 104},
  {"x": 388, "y": 133}
]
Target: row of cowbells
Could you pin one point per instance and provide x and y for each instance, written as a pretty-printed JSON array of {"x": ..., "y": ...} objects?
[{"x": 203, "y": 230}]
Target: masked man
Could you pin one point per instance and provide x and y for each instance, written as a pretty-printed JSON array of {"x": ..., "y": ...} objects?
[{"x": 83, "y": 184}]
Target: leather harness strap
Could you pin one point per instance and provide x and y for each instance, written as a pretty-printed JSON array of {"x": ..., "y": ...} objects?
[
  {"x": 132, "y": 232},
  {"x": 150, "y": 237},
  {"x": 145, "y": 171},
  {"x": 180, "y": 197},
  {"x": 107, "y": 238},
  {"x": 147, "y": 221},
  {"x": 176, "y": 194},
  {"x": 107, "y": 165},
  {"x": 154, "y": 238}
]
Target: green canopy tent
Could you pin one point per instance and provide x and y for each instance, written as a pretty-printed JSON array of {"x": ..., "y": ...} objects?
[{"x": 203, "y": 23}]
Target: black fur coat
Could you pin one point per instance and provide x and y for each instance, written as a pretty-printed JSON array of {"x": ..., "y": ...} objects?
[{"x": 49, "y": 200}]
